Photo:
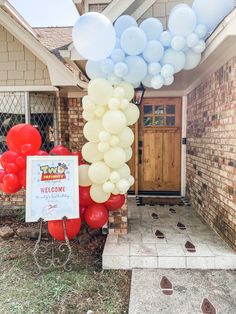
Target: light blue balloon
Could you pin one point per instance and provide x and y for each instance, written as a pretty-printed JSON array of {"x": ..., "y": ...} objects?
[
  {"x": 165, "y": 38},
  {"x": 121, "y": 69},
  {"x": 93, "y": 70},
  {"x": 200, "y": 47},
  {"x": 117, "y": 45},
  {"x": 133, "y": 41},
  {"x": 192, "y": 40},
  {"x": 118, "y": 55},
  {"x": 192, "y": 59},
  {"x": 113, "y": 79},
  {"x": 154, "y": 68},
  {"x": 154, "y": 51},
  {"x": 168, "y": 81},
  {"x": 157, "y": 82},
  {"x": 175, "y": 58},
  {"x": 201, "y": 30},
  {"x": 182, "y": 21},
  {"x": 152, "y": 28},
  {"x": 107, "y": 66},
  {"x": 147, "y": 80},
  {"x": 137, "y": 69},
  {"x": 178, "y": 43},
  {"x": 94, "y": 36},
  {"x": 123, "y": 22},
  {"x": 212, "y": 12},
  {"x": 167, "y": 71}
]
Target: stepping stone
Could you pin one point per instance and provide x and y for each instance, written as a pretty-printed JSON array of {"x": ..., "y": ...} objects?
[
  {"x": 166, "y": 286},
  {"x": 207, "y": 307},
  {"x": 172, "y": 210},
  {"x": 155, "y": 216},
  {"x": 159, "y": 234},
  {"x": 190, "y": 247},
  {"x": 181, "y": 226}
]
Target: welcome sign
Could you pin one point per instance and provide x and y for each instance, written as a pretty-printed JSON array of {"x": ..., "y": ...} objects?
[{"x": 52, "y": 188}]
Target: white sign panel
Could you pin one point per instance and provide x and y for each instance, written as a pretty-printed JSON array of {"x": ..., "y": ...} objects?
[{"x": 52, "y": 188}]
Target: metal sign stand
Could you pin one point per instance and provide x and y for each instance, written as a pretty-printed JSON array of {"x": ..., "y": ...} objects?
[{"x": 41, "y": 251}]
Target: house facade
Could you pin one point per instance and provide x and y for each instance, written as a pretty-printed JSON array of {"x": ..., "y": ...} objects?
[{"x": 185, "y": 140}]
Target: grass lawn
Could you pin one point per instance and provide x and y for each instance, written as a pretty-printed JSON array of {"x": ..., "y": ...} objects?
[{"x": 85, "y": 288}]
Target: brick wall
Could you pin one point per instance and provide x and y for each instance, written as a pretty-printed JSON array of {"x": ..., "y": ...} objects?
[
  {"x": 18, "y": 66},
  {"x": 211, "y": 150}
]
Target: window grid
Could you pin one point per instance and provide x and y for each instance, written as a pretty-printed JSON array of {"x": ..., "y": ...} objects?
[{"x": 159, "y": 115}]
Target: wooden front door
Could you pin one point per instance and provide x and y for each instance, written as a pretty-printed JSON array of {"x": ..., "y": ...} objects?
[{"x": 159, "y": 145}]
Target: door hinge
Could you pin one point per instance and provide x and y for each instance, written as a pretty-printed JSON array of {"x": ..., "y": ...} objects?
[{"x": 184, "y": 140}]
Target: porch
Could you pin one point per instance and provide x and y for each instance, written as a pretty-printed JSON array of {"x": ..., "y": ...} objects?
[{"x": 145, "y": 247}]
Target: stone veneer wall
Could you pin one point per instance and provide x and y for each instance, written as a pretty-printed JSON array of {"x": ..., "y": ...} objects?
[{"x": 211, "y": 151}]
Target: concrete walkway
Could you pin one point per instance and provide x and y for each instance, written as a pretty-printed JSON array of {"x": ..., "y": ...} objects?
[
  {"x": 167, "y": 237},
  {"x": 185, "y": 294}
]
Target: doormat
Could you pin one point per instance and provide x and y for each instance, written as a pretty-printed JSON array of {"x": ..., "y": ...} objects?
[{"x": 152, "y": 201}]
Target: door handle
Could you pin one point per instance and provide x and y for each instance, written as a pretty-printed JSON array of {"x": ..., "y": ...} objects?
[{"x": 140, "y": 152}]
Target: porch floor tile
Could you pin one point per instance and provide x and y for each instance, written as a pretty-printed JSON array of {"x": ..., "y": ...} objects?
[{"x": 143, "y": 246}]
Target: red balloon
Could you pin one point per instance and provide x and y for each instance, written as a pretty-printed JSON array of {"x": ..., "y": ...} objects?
[
  {"x": 59, "y": 150},
  {"x": 42, "y": 153},
  {"x": 5, "y": 189},
  {"x": 8, "y": 157},
  {"x": 115, "y": 202},
  {"x": 22, "y": 177},
  {"x": 22, "y": 134},
  {"x": 96, "y": 216},
  {"x": 11, "y": 182},
  {"x": 56, "y": 230},
  {"x": 21, "y": 162},
  {"x": 82, "y": 210},
  {"x": 28, "y": 150},
  {"x": 80, "y": 157},
  {"x": 12, "y": 168},
  {"x": 84, "y": 196},
  {"x": 2, "y": 174}
]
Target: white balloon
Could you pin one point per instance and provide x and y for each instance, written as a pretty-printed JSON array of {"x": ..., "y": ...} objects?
[
  {"x": 100, "y": 91},
  {"x": 84, "y": 179},
  {"x": 182, "y": 20},
  {"x": 114, "y": 103},
  {"x": 133, "y": 41},
  {"x": 123, "y": 22},
  {"x": 192, "y": 59},
  {"x": 99, "y": 172},
  {"x": 92, "y": 129},
  {"x": 104, "y": 136},
  {"x": 114, "y": 121},
  {"x": 152, "y": 28},
  {"x": 157, "y": 82},
  {"x": 128, "y": 153},
  {"x": 108, "y": 187},
  {"x": 124, "y": 171},
  {"x": 115, "y": 157},
  {"x": 94, "y": 36},
  {"x": 88, "y": 115},
  {"x": 114, "y": 177},
  {"x": 91, "y": 153},
  {"x": 123, "y": 185},
  {"x": 98, "y": 195},
  {"x": 114, "y": 140},
  {"x": 175, "y": 58},
  {"x": 132, "y": 114},
  {"x": 129, "y": 90},
  {"x": 126, "y": 137},
  {"x": 103, "y": 147}
]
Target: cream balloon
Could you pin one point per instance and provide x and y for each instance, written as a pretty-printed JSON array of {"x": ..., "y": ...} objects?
[
  {"x": 124, "y": 172},
  {"x": 124, "y": 104},
  {"x": 115, "y": 177},
  {"x": 114, "y": 141},
  {"x": 126, "y": 137},
  {"x": 100, "y": 91},
  {"x": 84, "y": 179},
  {"x": 92, "y": 130},
  {"x": 104, "y": 136},
  {"x": 119, "y": 92},
  {"x": 97, "y": 194},
  {"x": 108, "y": 187},
  {"x": 103, "y": 147},
  {"x": 132, "y": 114},
  {"x": 99, "y": 172},
  {"x": 131, "y": 180},
  {"x": 91, "y": 153},
  {"x": 129, "y": 90},
  {"x": 115, "y": 157},
  {"x": 114, "y": 121},
  {"x": 99, "y": 111},
  {"x": 128, "y": 153},
  {"x": 123, "y": 186},
  {"x": 87, "y": 103},
  {"x": 114, "y": 103},
  {"x": 116, "y": 191},
  {"x": 88, "y": 115}
]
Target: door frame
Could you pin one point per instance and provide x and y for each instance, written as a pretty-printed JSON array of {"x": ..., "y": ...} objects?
[{"x": 182, "y": 150}]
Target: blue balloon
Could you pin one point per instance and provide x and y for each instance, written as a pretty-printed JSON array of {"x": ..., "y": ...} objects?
[
  {"x": 200, "y": 47},
  {"x": 123, "y": 22},
  {"x": 118, "y": 55},
  {"x": 107, "y": 66},
  {"x": 165, "y": 38},
  {"x": 192, "y": 40},
  {"x": 133, "y": 41},
  {"x": 169, "y": 80},
  {"x": 147, "y": 80},
  {"x": 157, "y": 82},
  {"x": 113, "y": 79},
  {"x": 201, "y": 30},
  {"x": 94, "y": 36},
  {"x": 175, "y": 58},
  {"x": 212, "y": 12},
  {"x": 167, "y": 71},
  {"x": 121, "y": 69},
  {"x": 93, "y": 70},
  {"x": 137, "y": 69},
  {"x": 192, "y": 59},
  {"x": 154, "y": 51},
  {"x": 154, "y": 68},
  {"x": 178, "y": 43},
  {"x": 152, "y": 28},
  {"x": 182, "y": 21}
]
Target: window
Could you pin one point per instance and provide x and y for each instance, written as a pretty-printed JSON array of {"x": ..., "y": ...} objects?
[
  {"x": 159, "y": 115},
  {"x": 41, "y": 111}
]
